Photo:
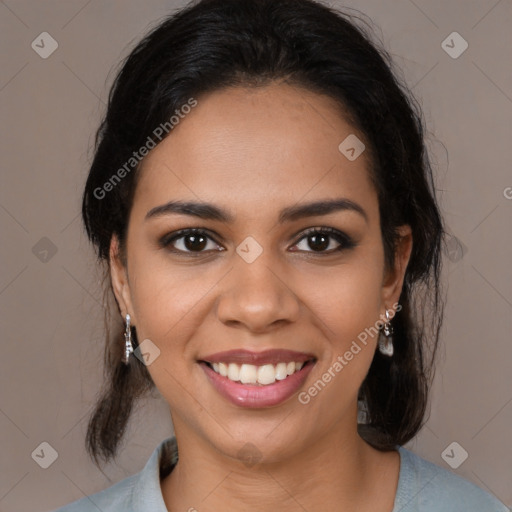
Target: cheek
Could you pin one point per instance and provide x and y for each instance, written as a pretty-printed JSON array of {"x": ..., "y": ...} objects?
[
  {"x": 346, "y": 303},
  {"x": 168, "y": 306},
  {"x": 172, "y": 303},
  {"x": 347, "y": 298}
]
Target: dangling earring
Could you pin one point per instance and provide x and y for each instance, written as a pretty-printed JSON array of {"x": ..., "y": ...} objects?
[
  {"x": 386, "y": 341},
  {"x": 127, "y": 340}
]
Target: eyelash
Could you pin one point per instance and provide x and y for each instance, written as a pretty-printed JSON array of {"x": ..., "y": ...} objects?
[{"x": 345, "y": 241}]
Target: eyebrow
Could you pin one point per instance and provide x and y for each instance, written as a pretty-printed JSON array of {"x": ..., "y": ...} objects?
[{"x": 209, "y": 211}]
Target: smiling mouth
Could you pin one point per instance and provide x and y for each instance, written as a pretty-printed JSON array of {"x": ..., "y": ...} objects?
[{"x": 259, "y": 375}]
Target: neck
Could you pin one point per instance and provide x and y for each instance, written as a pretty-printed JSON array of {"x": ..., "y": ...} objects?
[{"x": 339, "y": 471}]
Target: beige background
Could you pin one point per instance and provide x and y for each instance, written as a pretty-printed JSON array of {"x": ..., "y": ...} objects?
[{"x": 51, "y": 316}]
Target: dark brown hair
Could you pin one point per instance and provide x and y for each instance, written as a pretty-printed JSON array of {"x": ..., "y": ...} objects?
[{"x": 212, "y": 44}]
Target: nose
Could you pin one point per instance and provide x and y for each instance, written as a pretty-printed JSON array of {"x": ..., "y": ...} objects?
[{"x": 256, "y": 296}]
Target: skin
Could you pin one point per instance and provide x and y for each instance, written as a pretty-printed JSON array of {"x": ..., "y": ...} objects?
[{"x": 255, "y": 152}]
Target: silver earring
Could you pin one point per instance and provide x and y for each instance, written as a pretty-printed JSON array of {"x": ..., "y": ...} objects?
[
  {"x": 386, "y": 341},
  {"x": 127, "y": 341}
]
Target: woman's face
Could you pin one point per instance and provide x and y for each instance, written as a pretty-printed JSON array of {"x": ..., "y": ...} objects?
[{"x": 255, "y": 289}]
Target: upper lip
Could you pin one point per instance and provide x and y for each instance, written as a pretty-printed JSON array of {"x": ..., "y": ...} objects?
[{"x": 272, "y": 356}]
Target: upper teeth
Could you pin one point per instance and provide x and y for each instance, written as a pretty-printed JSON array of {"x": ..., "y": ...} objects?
[{"x": 251, "y": 374}]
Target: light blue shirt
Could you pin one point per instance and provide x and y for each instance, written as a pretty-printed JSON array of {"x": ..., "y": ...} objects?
[{"x": 422, "y": 487}]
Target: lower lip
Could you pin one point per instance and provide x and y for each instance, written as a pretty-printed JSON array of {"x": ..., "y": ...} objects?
[{"x": 249, "y": 395}]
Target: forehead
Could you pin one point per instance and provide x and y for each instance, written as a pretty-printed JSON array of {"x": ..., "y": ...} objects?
[{"x": 253, "y": 147}]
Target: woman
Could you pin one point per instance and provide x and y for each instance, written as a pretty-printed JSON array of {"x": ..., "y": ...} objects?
[{"x": 263, "y": 199}]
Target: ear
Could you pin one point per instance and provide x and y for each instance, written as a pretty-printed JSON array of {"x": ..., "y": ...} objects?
[
  {"x": 119, "y": 277},
  {"x": 394, "y": 278}
]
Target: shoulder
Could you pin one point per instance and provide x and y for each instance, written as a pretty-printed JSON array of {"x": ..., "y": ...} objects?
[
  {"x": 113, "y": 499},
  {"x": 426, "y": 487},
  {"x": 137, "y": 493}
]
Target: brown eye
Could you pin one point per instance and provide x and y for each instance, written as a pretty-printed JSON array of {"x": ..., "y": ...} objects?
[
  {"x": 319, "y": 242},
  {"x": 194, "y": 242},
  {"x": 189, "y": 241},
  {"x": 320, "y": 239}
]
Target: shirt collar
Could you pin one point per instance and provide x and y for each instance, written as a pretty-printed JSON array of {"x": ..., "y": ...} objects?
[{"x": 147, "y": 492}]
